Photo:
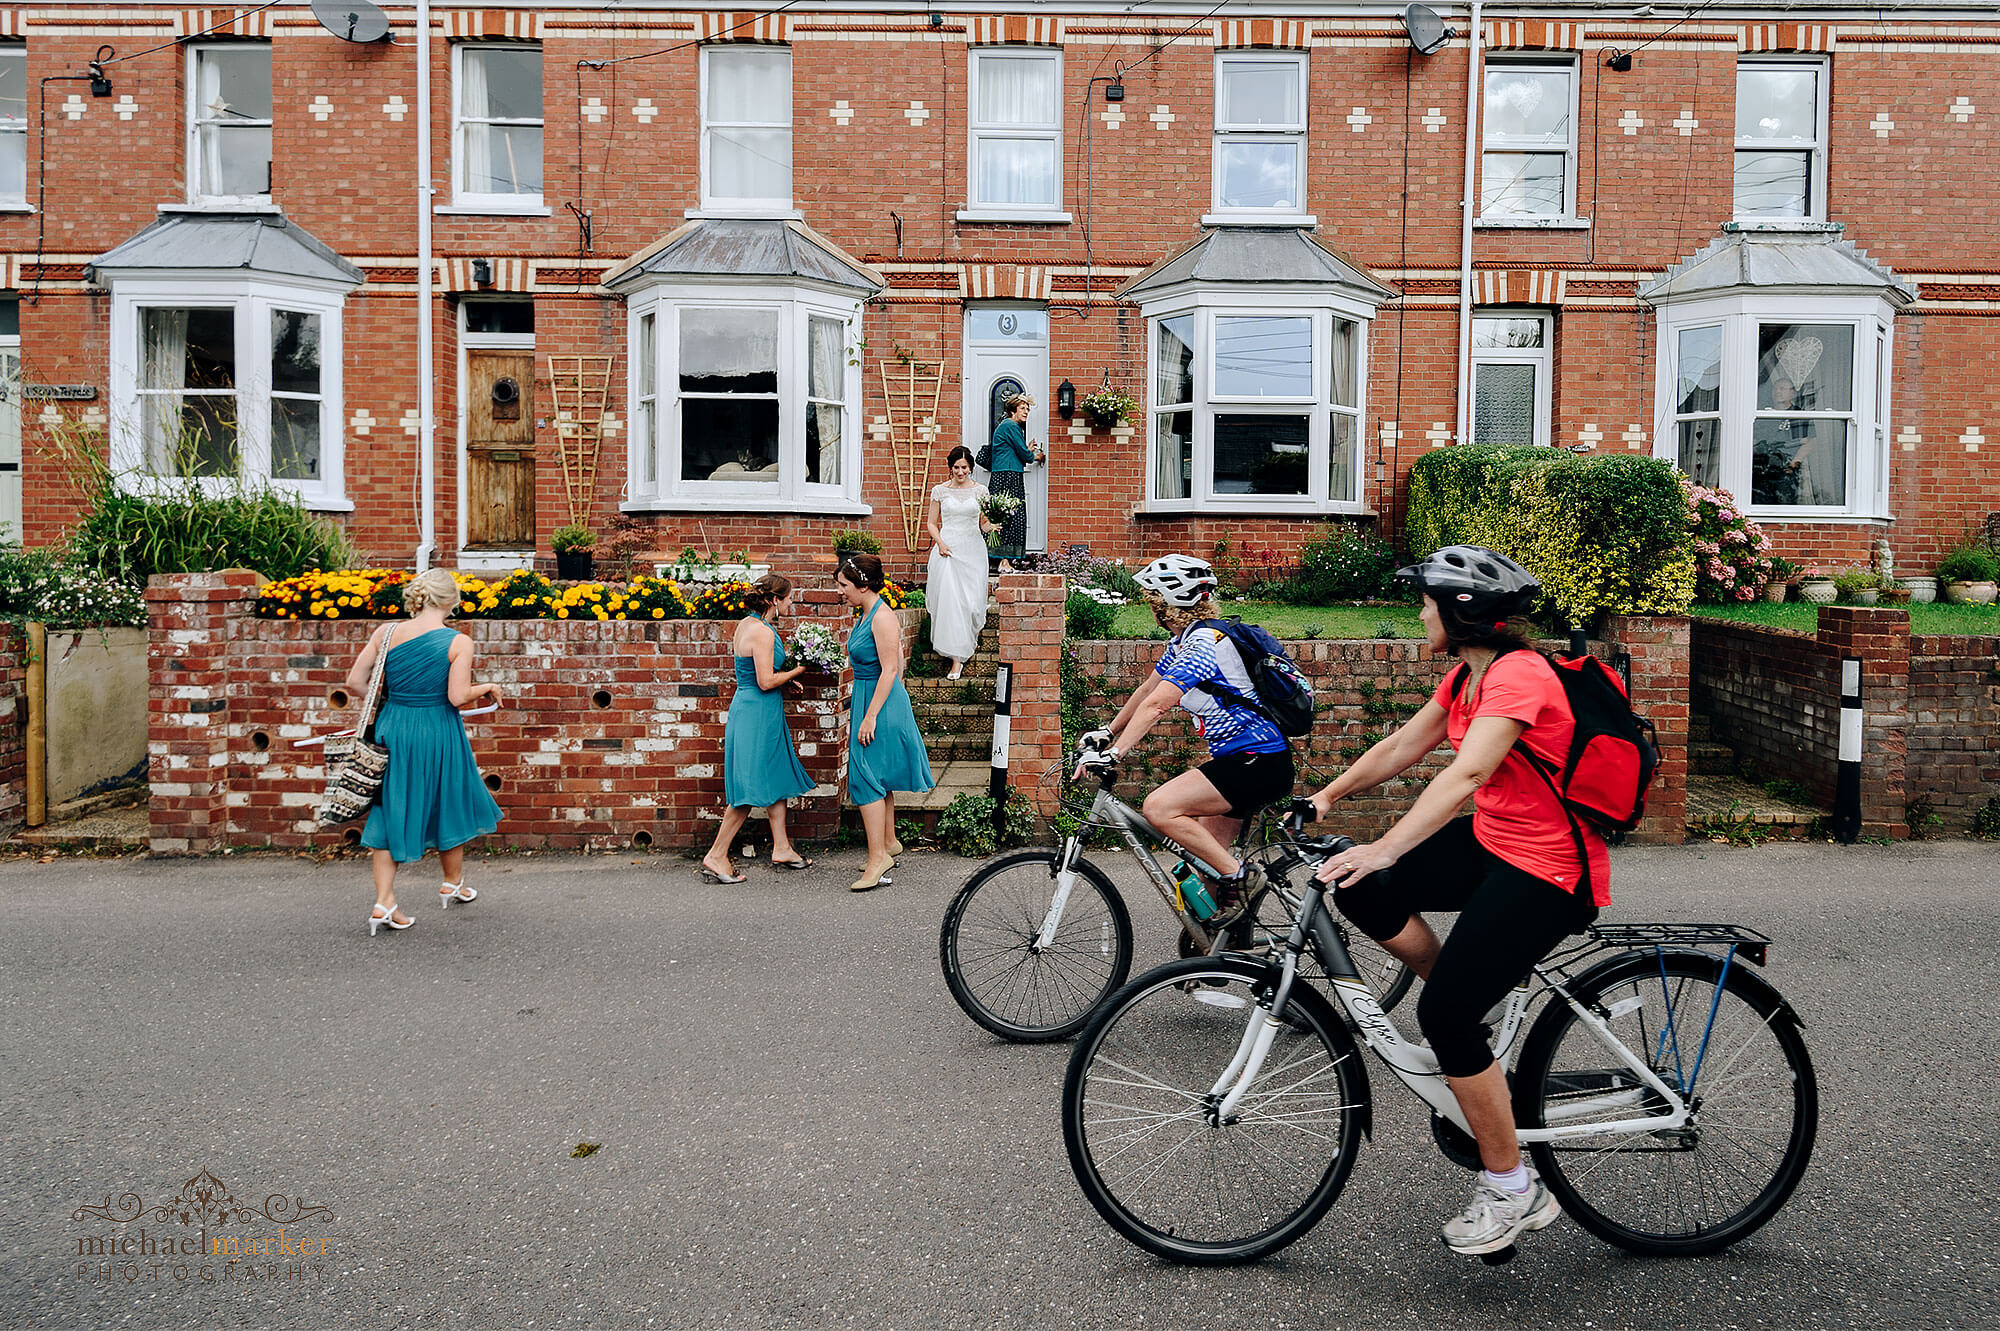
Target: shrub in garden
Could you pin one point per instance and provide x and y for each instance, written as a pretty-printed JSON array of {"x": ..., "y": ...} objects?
[
  {"x": 1342, "y": 565},
  {"x": 1969, "y": 561},
  {"x": 37, "y": 586},
  {"x": 850, "y": 541},
  {"x": 188, "y": 531},
  {"x": 1729, "y": 559},
  {"x": 1604, "y": 534},
  {"x": 966, "y": 825},
  {"x": 1084, "y": 616}
]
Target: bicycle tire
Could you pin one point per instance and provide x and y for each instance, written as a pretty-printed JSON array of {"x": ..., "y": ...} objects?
[
  {"x": 1211, "y": 1196},
  {"x": 1690, "y": 1191},
  {"x": 985, "y": 947}
]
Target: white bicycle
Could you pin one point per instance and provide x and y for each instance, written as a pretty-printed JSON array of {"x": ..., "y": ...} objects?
[{"x": 1213, "y": 1107}]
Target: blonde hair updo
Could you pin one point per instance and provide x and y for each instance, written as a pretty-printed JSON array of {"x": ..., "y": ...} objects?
[{"x": 434, "y": 588}]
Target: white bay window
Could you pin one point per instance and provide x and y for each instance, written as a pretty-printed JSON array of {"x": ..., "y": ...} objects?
[{"x": 744, "y": 398}]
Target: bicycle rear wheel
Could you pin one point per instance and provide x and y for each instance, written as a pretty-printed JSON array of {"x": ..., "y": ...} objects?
[
  {"x": 1138, "y": 1114},
  {"x": 993, "y": 965},
  {"x": 1729, "y": 1044}
]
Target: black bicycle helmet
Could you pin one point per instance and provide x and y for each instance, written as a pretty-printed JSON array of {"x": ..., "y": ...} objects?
[{"x": 1474, "y": 585}]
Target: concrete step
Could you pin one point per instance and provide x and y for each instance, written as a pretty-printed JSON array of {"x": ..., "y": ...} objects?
[
  {"x": 976, "y": 692},
  {"x": 953, "y": 778},
  {"x": 1707, "y": 758},
  {"x": 956, "y": 748},
  {"x": 1731, "y": 799},
  {"x": 115, "y": 828},
  {"x": 954, "y": 717}
]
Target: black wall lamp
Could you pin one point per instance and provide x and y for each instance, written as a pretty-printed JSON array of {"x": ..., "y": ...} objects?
[
  {"x": 1114, "y": 91},
  {"x": 482, "y": 272},
  {"x": 1066, "y": 399},
  {"x": 1619, "y": 60},
  {"x": 100, "y": 82}
]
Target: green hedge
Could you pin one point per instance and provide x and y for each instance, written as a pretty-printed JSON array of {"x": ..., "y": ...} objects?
[{"x": 1605, "y": 533}]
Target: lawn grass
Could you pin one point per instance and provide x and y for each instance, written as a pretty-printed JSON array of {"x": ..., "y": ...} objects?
[
  {"x": 1937, "y": 618},
  {"x": 1293, "y": 621},
  {"x": 1364, "y": 621}
]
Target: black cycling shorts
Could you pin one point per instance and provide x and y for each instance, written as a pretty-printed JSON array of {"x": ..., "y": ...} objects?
[
  {"x": 1249, "y": 781},
  {"x": 1508, "y": 920}
]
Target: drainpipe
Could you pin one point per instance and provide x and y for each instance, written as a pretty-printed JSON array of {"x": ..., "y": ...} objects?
[
  {"x": 1472, "y": 92},
  {"x": 426, "y": 389}
]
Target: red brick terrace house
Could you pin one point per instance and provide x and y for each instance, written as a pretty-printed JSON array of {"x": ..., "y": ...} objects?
[{"x": 801, "y": 253}]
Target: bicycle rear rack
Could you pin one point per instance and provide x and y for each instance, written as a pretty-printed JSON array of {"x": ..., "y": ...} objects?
[{"x": 1749, "y": 942}]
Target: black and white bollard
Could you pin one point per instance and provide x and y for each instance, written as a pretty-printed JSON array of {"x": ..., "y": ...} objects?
[
  {"x": 1847, "y": 787},
  {"x": 996, "y": 786}
]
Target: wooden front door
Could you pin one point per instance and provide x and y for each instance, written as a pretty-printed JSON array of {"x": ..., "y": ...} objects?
[{"x": 499, "y": 450}]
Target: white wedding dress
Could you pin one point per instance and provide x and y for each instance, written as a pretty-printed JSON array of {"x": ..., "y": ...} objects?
[{"x": 956, "y": 596}]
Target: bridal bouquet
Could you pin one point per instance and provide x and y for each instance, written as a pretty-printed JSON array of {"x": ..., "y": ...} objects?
[
  {"x": 998, "y": 508},
  {"x": 817, "y": 648}
]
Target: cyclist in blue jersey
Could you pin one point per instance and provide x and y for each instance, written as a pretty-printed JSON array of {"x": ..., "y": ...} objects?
[{"x": 1250, "y": 762}]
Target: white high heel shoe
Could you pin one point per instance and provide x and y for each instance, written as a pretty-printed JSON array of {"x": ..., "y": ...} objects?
[
  {"x": 378, "y": 916},
  {"x": 451, "y": 892}
]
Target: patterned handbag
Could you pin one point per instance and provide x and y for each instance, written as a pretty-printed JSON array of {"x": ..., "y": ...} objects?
[{"x": 355, "y": 763}]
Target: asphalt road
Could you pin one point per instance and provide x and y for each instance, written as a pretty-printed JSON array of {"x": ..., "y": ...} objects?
[{"x": 799, "y": 1128}]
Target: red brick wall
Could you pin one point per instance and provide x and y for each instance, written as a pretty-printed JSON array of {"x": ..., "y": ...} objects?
[
  {"x": 1364, "y": 688},
  {"x": 887, "y": 188},
  {"x": 13, "y": 724},
  {"x": 1953, "y": 758},
  {"x": 231, "y": 694},
  {"x": 1931, "y": 708}
]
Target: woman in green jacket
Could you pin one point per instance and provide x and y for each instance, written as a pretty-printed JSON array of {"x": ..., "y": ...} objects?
[{"x": 1012, "y": 452}]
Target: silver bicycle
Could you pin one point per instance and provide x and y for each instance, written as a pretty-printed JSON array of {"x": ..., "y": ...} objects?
[
  {"x": 1213, "y": 1107},
  {"x": 1036, "y": 940}
]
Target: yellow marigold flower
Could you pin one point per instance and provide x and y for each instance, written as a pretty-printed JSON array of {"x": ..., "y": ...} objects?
[{"x": 658, "y": 613}]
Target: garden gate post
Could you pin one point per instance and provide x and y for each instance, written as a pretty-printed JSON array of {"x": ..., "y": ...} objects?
[{"x": 193, "y": 618}]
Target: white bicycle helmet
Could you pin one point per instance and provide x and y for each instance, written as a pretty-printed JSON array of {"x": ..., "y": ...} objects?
[
  {"x": 1181, "y": 580},
  {"x": 1477, "y": 585}
]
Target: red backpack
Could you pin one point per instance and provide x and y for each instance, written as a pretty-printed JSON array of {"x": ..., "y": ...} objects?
[{"x": 1613, "y": 752}]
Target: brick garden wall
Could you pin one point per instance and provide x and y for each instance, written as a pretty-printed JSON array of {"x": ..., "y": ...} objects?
[
  {"x": 611, "y": 733},
  {"x": 1931, "y": 709},
  {"x": 1366, "y": 687}
]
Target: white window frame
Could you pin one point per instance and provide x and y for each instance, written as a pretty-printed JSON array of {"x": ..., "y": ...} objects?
[
  {"x": 1740, "y": 317},
  {"x": 1543, "y": 358},
  {"x": 464, "y": 199},
  {"x": 796, "y": 306},
  {"x": 1509, "y": 147},
  {"x": 1225, "y": 132},
  {"x": 977, "y": 209},
  {"x": 1816, "y": 200},
  {"x": 14, "y": 130},
  {"x": 711, "y": 205},
  {"x": 195, "y": 193},
  {"x": 1318, "y": 406},
  {"x": 252, "y": 300}
]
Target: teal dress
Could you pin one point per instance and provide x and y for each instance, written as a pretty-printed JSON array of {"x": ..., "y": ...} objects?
[
  {"x": 896, "y": 760},
  {"x": 432, "y": 797},
  {"x": 759, "y": 764}
]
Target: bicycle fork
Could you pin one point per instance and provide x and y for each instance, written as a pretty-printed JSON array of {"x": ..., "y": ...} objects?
[{"x": 1065, "y": 884}]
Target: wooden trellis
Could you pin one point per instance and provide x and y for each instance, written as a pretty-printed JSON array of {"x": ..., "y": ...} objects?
[
  {"x": 910, "y": 389},
  {"x": 578, "y": 388}
]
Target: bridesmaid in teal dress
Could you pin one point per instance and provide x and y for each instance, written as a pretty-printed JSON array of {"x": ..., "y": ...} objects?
[
  {"x": 433, "y": 797},
  {"x": 760, "y": 768},
  {"x": 885, "y": 753}
]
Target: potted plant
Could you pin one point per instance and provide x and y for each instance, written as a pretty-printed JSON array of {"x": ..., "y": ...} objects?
[
  {"x": 1923, "y": 588},
  {"x": 1968, "y": 573},
  {"x": 1106, "y": 407},
  {"x": 1857, "y": 585},
  {"x": 1895, "y": 593},
  {"x": 696, "y": 567},
  {"x": 1783, "y": 574},
  {"x": 848, "y": 541},
  {"x": 1815, "y": 586},
  {"x": 573, "y": 545}
]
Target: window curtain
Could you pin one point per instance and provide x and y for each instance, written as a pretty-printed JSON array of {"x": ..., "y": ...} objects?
[
  {"x": 162, "y": 366},
  {"x": 824, "y": 407},
  {"x": 475, "y": 138}
]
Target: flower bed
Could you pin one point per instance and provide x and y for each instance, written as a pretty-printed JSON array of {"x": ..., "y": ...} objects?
[{"x": 377, "y": 593}]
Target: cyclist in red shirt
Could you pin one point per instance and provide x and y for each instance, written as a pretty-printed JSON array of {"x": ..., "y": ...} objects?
[{"x": 1511, "y": 870}]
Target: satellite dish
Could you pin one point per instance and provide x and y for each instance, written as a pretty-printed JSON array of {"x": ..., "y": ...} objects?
[
  {"x": 352, "y": 20},
  {"x": 1426, "y": 30}
]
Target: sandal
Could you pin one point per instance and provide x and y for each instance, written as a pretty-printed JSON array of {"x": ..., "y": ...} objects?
[
  {"x": 724, "y": 880},
  {"x": 795, "y": 866}
]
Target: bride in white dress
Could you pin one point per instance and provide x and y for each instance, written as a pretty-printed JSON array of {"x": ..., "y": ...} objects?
[{"x": 956, "y": 594}]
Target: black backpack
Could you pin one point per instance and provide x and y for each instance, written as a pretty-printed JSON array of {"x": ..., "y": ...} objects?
[
  {"x": 1613, "y": 752},
  {"x": 1284, "y": 694}
]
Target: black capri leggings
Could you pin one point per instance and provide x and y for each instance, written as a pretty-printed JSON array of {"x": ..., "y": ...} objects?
[{"x": 1508, "y": 920}]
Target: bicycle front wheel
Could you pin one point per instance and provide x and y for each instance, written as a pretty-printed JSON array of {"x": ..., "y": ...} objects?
[
  {"x": 1140, "y": 1113},
  {"x": 1729, "y": 1045},
  {"x": 993, "y": 960}
]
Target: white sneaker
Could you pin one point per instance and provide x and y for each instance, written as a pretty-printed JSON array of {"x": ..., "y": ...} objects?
[{"x": 1497, "y": 1217}]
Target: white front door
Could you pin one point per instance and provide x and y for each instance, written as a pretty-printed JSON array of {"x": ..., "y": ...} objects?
[{"x": 1006, "y": 352}]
